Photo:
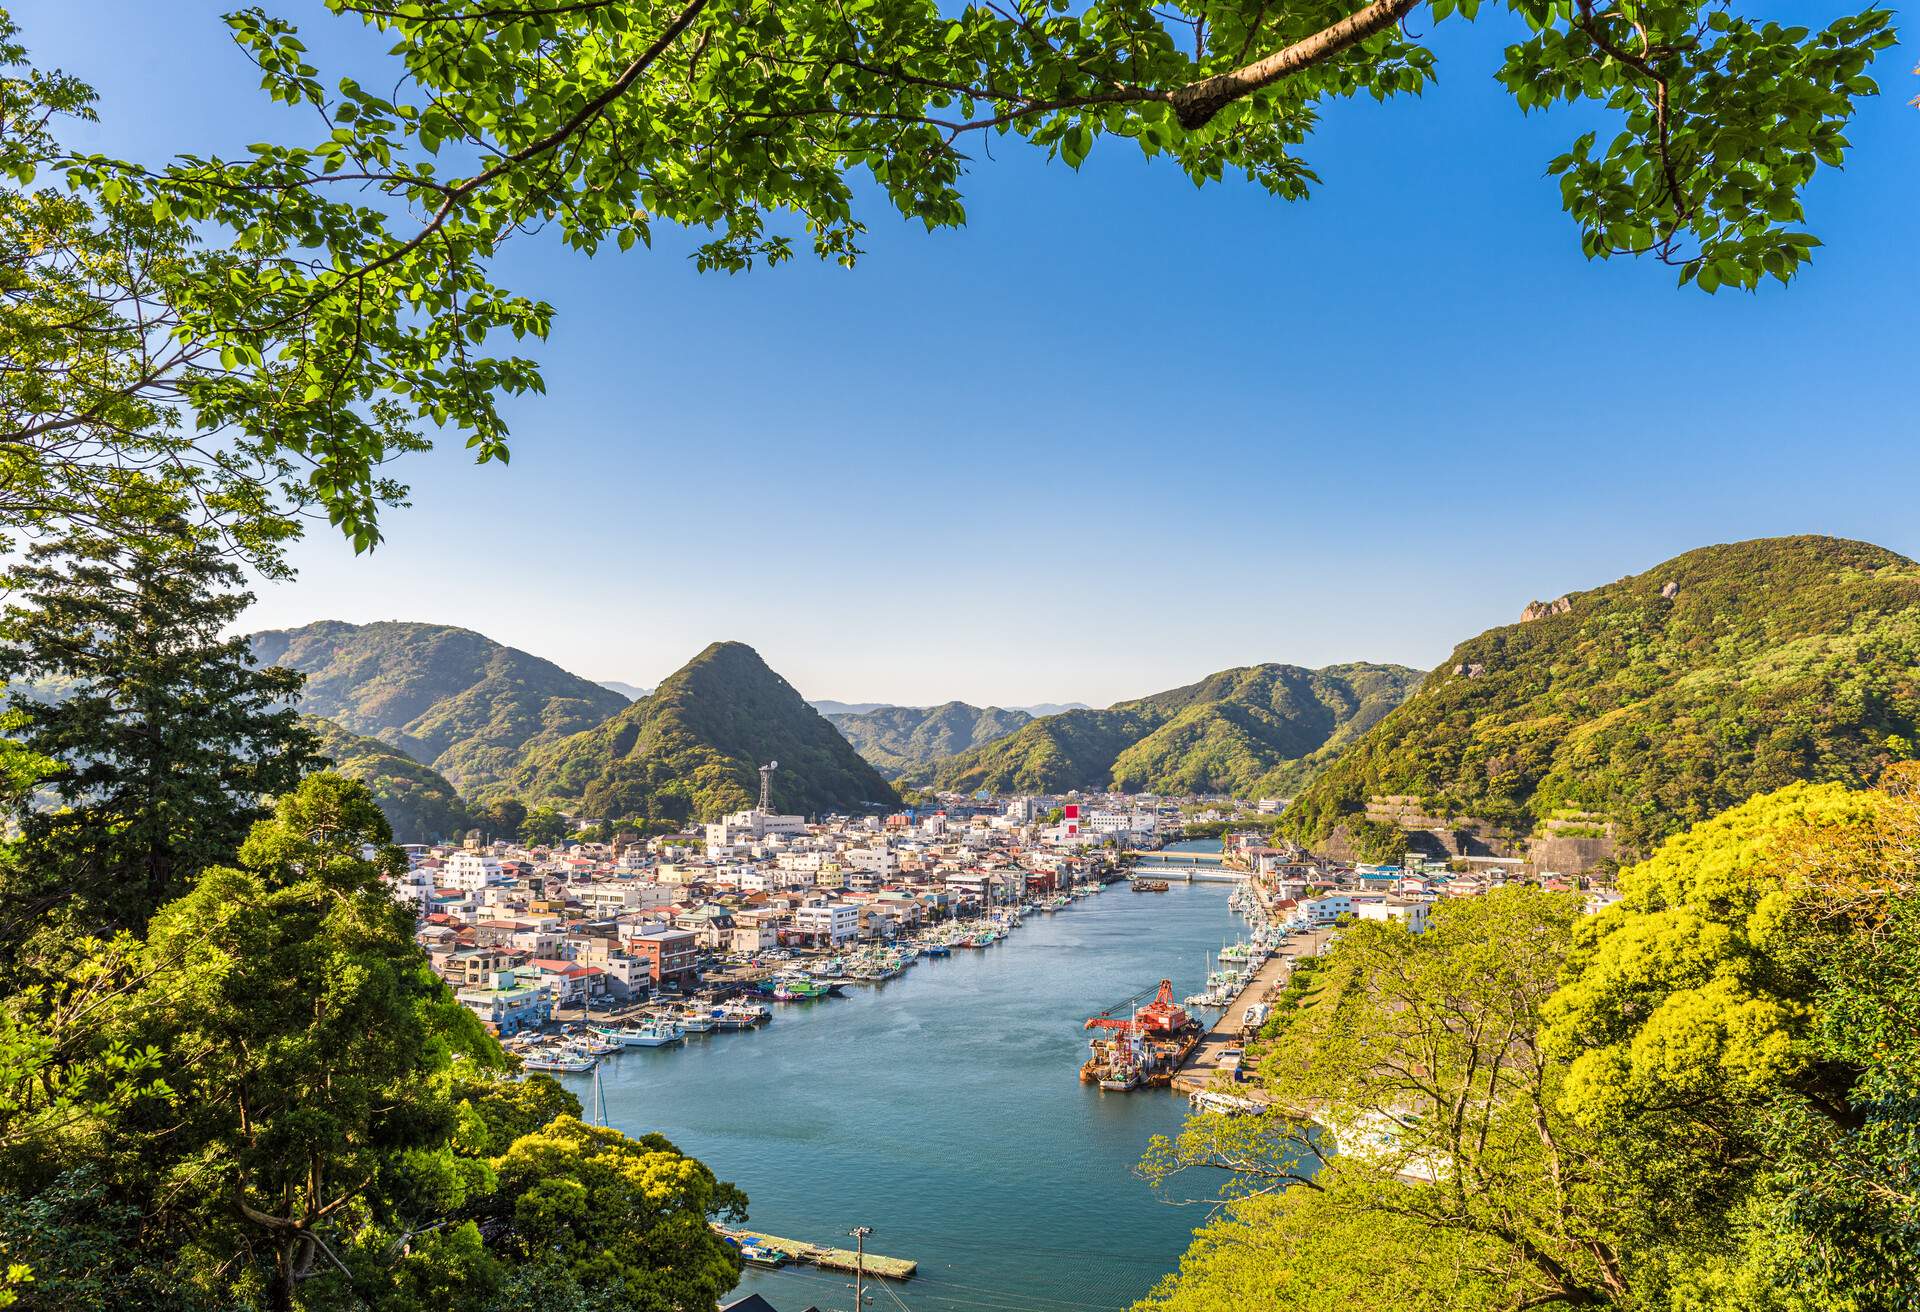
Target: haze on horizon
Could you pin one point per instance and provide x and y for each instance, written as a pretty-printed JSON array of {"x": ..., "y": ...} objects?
[{"x": 1119, "y": 433}]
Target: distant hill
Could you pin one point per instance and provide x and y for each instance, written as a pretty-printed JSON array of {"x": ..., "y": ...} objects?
[
  {"x": 903, "y": 739},
  {"x": 445, "y": 696},
  {"x": 833, "y": 708},
  {"x": 690, "y": 751},
  {"x": 632, "y": 692},
  {"x": 1259, "y": 730},
  {"x": 826, "y": 707},
  {"x": 421, "y": 806},
  {"x": 1658, "y": 700}
]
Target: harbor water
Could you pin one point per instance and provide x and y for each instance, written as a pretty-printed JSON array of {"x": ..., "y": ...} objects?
[{"x": 944, "y": 1109}]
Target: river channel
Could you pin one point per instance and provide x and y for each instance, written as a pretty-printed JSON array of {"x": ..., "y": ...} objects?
[{"x": 943, "y": 1108}]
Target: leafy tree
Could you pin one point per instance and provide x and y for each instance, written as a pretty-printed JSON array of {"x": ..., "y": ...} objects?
[
  {"x": 166, "y": 739},
  {"x": 1376, "y": 841},
  {"x": 619, "y": 1212},
  {"x": 421, "y": 806},
  {"x": 543, "y": 827},
  {"x": 504, "y": 817},
  {"x": 1439, "y": 1144},
  {"x": 316, "y": 1026},
  {"x": 333, "y": 1130},
  {"x": 309, "y": 306},
  {"x": 1740, "y": 1034}
]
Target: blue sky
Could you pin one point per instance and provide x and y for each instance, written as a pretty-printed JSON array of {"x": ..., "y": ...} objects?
[{"x": 1119, "y": 432}]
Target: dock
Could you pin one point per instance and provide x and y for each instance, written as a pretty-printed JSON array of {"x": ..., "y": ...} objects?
[
  {"x": 832, "y": 1259},
  {"x": 1210, "y": 1058}
]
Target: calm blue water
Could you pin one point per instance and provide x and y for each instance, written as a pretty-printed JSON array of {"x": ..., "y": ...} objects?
[{"x": 944, "y": 1109}]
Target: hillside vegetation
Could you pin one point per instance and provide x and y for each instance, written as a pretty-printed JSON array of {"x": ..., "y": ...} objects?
[
  {"x": 1258, "y": 730},
  {"x": 447, "y": 697},
  {"x": 1658, "y": 700},
  {"x": 417, "y": 801},
  {"x": 904, "y": 740},
  {"x": 690, "y": 750}
]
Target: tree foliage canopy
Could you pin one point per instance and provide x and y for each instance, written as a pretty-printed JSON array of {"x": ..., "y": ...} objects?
[
  {"x": 1706, "y": 1096},
  {"x": 257, "y": 337}
]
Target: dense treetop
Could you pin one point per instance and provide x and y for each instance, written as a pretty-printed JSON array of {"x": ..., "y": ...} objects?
[
  {"x": 1770, "y": 661},
  {"x": 448, "y": 697},
  {"x": 1706, "y": 1096},
  {"x": 1259, "y": 730},
  {"x": 691, "y": 749}
]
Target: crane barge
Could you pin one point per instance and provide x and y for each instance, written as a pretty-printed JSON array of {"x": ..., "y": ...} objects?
[{"x": 1139, "y": 1044}]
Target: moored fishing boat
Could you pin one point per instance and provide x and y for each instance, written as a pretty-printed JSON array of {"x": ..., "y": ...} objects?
[
  {"x": 657, "y": 1034},
  {"x": 743, "y": 1015},
  {"x": 557, "y": 1060}
]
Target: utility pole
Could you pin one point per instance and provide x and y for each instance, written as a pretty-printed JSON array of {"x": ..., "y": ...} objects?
[{"x": 859, "y": 1233}]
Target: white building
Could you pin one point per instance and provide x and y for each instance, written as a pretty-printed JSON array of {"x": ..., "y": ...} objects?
[
  {"x": 1328, "y": 908},
  {"x": 1409, "y": 913},
  {"x": 469, "y": 872},
  {"x": 742, "y": 827},
  {"x": 831, "y": 922}
]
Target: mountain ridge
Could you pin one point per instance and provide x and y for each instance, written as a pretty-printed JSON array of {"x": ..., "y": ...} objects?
[
  {"x": 899, "y": 740},
  {"x": 1656, "y": 700},
  {"x": 1247, "y": 730},
  {"x": 691, "y": 749},
  {"x": 448, "y": 697}
]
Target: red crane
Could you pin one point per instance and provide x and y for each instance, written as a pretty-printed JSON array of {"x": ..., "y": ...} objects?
[{"x": 1161, "y": 1016}]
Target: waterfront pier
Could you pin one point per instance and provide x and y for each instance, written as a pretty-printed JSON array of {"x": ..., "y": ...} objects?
[
  {"x": 831, "y": 1259},
  {"x": 1211, "y": 1056}
]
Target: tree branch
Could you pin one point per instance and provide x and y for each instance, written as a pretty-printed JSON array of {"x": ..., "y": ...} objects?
[{"x": 1196, "y": 103}]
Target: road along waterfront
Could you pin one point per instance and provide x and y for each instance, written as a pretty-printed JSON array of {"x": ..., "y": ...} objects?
[{"x": 943, "y": 1109}]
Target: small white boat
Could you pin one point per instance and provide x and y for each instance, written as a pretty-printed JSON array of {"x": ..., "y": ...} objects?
[
  {"x": 558, "y": 1061},
  {"x": 655, "y": 1034}
]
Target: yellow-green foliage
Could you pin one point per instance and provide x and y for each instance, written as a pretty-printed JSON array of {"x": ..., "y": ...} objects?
[
  {"x": 1679, "y": 991},
  {"x": 1306, "y": 1252}
]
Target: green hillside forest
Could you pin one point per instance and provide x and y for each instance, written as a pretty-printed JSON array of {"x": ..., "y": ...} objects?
[
  {"x": 417, "y": 801},
  {"x": 904, "y": 740},
  {"x": 690, "y": 750},
  {"x": 448, "y": 697},
  {"x": 1658, "y": 700},
  {"x": 1260, "y": 730}
]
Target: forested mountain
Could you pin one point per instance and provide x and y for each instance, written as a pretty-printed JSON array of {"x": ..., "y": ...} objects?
[
  {"x": 690, "y": 750},
  {"x": 1257, "y": 730},
  {"x": 418, "y": 802},
  {"x": 1660, "y": 699},
  {"x": 445, "y": 696},
  {"x": 900, "y": 740},
  {"x": 633, "y": 692}
]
